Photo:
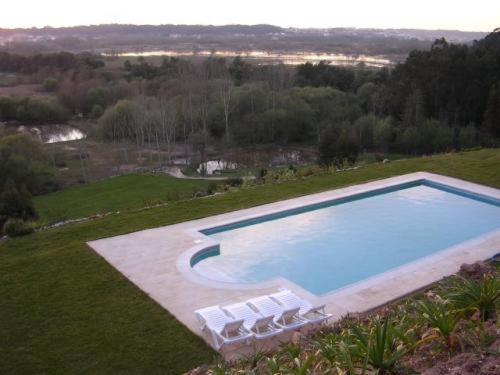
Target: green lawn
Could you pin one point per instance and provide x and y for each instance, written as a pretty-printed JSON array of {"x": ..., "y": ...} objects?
[
  {"x": 113, "y": 194},
  {"x": 63, "y": 309}
]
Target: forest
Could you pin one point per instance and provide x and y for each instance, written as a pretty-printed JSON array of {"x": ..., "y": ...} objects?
[{"x": 439, "y": 100}]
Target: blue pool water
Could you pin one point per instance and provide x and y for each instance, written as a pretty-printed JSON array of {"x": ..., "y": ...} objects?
[{"x": 334, "y": 244}]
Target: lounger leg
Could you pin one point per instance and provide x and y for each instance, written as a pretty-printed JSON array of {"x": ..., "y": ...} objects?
[{"x": 215, "y": 338}]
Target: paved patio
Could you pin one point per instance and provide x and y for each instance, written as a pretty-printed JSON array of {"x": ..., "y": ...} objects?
[{"x": 157, "y": 261}]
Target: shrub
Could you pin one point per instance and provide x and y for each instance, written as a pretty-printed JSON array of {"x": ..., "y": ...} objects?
[
  {"x": 480, "y": 295},
  {"x": 310, "y": 170},
  {"x": 17, "y": 227},
  {"x": 234, "y": 181},
  {"x": 50, "y": 84},
  {"x": 262, "y": 173},
  {"x": 379, "y": 157},
  {"x": 440, "y": 317},
  {"x": 96, "y": 111},
  {"x": 380, "y": 345},
  {"x": 211, "y": 188}
]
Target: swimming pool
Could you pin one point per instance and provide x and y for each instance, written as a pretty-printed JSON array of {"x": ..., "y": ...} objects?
[{"x": 330, "y": 245}]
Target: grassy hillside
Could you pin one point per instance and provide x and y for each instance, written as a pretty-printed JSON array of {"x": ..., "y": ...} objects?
[
  {"x": 65, "y": 310},
  {"x": 113, "y": 194}
]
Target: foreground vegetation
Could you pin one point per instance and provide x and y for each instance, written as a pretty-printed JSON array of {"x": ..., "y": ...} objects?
[
  {"x": 405, "y": 338},
  {"x": 65, "y": 308}
]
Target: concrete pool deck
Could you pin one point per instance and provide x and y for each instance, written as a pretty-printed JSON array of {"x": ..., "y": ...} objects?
[{"x": 158, "y": 261}]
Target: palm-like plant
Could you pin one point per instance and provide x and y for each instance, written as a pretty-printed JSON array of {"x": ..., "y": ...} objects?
[
  {"x": 441, "y": 318},
  {"x": 273, "y": 366},
  {"x": 481, "y": 295},
  {"x": 341, "y": 354},
  {"x": 346, "y": 360},
  {"x": 380, "y": 345},
  {"x": 302, "y": 367}
]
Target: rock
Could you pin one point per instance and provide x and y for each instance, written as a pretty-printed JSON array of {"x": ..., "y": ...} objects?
[{"x": 476, "y": 270}]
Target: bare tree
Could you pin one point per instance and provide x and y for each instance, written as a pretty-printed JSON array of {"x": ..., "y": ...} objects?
[{"x": 226, "y": 91}]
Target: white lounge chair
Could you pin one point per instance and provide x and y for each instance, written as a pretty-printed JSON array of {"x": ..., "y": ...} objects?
[
  {"x": 223, "y": 328},
  {"x": 313, "y": 314},
  {"x": 261, "y": 326},
  {"x": 286, "y": 318}
]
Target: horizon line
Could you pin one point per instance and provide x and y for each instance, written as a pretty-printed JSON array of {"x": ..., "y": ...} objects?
[{"x": 236, "y": 24}]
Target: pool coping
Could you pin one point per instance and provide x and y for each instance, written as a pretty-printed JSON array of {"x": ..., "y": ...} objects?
[{"x": 158, "y": 260}]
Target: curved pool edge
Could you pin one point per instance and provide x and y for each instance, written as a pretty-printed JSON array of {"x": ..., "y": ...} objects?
[{"x": 184, "y": 266}]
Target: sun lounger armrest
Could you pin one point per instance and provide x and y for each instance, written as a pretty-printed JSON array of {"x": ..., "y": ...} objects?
[
  {"x": 263, "y": 322},
  {"x": 318, "y": 309},
  {"x": 290, "y": 313},
  {"x": 232, "y": 326}
]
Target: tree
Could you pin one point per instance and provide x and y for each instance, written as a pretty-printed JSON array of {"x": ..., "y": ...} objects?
[
  {"x": 383, "y": 134},
  {"x": 410, "y": 140},
  {"x": 15, "y": 204},
  {"x": 23, "y": 161},
  {"x": 467, "y": 137},
  {"x": 327, "y": 149},
  {"x": 338, "y": 148},
  {"x": 50, "y": 84},
  {"x": 120, "y": 122},
  {"x": 226, "y": 91},
  {"x": 414, "y": 109},
  {"x": 366, "y": 94},
  {"x": 364, "y": 127},
  {"x": 199, "y": 141},
  {"x": 492, "y": 112},
  {"x": 239, "y": 71}
]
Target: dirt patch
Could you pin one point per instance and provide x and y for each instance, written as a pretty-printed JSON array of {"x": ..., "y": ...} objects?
[
  {"x": 23, "y": 90},
  {"x": 467, "y": 364}
]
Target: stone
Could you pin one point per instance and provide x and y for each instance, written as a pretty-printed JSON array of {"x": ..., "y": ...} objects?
[{"x": 476, "y": 270}]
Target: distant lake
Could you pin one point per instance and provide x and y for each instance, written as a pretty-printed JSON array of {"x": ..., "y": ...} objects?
[
  {"x": 289, "y": 58},
  {"x": 52, "y": 133}
]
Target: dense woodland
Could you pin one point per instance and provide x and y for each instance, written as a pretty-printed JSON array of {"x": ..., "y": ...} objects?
[
  {"x": 438, "y": 100},
  {"x": 442, "y": 99}
]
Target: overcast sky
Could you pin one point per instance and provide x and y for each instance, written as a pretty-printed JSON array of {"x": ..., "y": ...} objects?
[{"x": 479, "y": 15}]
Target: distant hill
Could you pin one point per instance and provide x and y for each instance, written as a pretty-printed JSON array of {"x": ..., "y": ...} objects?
[{"x": 117, "y": 37}]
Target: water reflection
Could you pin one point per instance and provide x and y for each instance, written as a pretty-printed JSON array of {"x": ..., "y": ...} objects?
[{"x": 53, "y": 133}]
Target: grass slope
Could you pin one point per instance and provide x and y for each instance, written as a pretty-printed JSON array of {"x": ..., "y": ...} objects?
[
  {"x": 65, "y": 310},
  {"x": 113, "y": 194}
]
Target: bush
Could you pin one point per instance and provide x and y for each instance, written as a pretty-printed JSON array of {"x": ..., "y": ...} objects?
[
  {"x": 234, "y": 181},
  {"x": 379, "y": 157},
  {"x": 96, "y": 112},
  {"x": 310, "y": 170},
  {"x": 211, "y": 188},
  {"x": 50, "y": 84},
  {"x": 17, "y": 227},
  {"x": 380, "y": 345},
  {"x": 479, "y": 295}
]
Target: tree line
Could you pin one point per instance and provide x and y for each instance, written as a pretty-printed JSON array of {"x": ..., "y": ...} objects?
[{"x": 48, "y": 62}]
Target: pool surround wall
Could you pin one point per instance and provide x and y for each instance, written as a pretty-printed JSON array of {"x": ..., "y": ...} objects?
[{"x": 159, "y": 260}]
